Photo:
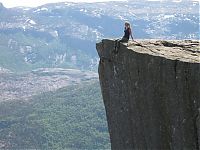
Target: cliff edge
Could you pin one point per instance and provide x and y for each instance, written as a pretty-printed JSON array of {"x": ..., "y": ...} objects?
[{"x": 151, "y": 92}]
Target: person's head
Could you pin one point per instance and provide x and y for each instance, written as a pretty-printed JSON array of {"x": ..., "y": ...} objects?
[{"x": 127, "y": 24}]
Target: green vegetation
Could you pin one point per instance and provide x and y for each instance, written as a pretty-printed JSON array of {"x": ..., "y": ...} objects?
[
  {"x": 21, "y": 52},
  {"x": 69, "y": 118}
]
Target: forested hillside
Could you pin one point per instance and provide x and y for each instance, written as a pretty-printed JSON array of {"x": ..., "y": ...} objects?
[{"x": 72, "y": 117}]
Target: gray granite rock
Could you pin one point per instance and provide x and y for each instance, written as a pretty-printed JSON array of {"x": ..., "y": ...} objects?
[{"x": 151, "y": 92}]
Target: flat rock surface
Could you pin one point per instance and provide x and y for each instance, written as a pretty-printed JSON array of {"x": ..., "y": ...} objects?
[{"x": 185, "y": 50}]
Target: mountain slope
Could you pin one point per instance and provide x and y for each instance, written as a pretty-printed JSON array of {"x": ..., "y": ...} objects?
[
  {"x": 64, "y": 34},
  {"x": 71, "y": 117}
]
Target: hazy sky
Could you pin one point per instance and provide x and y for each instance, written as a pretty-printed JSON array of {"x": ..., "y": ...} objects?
[{"x": 34, "y": 3}]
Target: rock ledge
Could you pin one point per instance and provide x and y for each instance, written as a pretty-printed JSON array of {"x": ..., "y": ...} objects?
[{"x": 151, "y": 92}]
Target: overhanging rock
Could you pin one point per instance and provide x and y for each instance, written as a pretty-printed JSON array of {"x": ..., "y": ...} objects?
[{"x": 151, "y": 92}]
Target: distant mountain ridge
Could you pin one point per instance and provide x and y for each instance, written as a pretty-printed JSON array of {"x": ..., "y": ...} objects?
[
  {"x": 64, "y": 34},
  {"x": 53, "y": 101}
]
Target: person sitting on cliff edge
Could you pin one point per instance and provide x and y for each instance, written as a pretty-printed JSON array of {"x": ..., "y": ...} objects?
[
  {"x": 125, "y": 38},
  {"x": 127, "y": 33}
]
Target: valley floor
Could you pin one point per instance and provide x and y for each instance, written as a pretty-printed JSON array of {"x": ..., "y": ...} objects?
[{"x": 52, "y": 109}]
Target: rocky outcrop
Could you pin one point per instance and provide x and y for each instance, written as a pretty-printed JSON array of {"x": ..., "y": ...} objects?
[{"x": 151, "y": 92}]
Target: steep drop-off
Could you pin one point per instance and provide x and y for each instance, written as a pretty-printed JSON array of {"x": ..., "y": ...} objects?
[{"x": 151, "y": 92}]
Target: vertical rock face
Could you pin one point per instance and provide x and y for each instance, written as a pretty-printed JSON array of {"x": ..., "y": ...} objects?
[{"x": 151, "y": 92}]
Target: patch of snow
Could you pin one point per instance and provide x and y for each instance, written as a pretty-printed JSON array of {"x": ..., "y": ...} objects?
[
  {"x": 69, "y": 4},
  {"x": 9, "y": 42},
  {"x": 96, "y": 14},
  {"x": 54, "y": 33},
  {"x": 12, "y": 44},
  {"x": 25, "y": 59},
  {"x": 58, "y": 7},
  {"x": 187, "y": 19},
  {"x": 28, "y": 48},
  {"x": 26, "y": 9},
  {"x": 24, "y": 28},
  {"x": 83, "y": 10},
  {"x": 31, "y": 21},
  {"x": 121, "y": 17},
  {"x": 41, "y": 9},
  {"x": 97, "y": 34},
  {"x": 195, "y": 3},
  {"x": 44, "y": 9},
  {"x": 168, "y": 16},
  {"x": 42, "y": 29},
  {"x": 22, "y": 50},
  {"x": 60, "y": 58},
  {"x": 133, "y": 15},
  {"x": 4, "y": 70},
  {"x": 74, "y": 59},
  {"x": 177, "y": 1},
  {"x": 100, "y": 27}
]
